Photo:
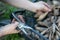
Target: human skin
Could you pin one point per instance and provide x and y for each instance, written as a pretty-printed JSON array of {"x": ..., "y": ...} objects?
[
  {"x": 25, "y": 4},
  {"x": 9, "y": 29}
]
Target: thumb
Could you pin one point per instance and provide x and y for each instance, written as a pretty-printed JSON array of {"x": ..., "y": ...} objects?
[{"x": 15, "y": 24}]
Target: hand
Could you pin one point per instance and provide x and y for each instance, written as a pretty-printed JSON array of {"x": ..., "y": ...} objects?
[
  {"x": 42, "y": 7},
  {"x": 20, "y": 17},
  {"x": 9, "y": 29}
]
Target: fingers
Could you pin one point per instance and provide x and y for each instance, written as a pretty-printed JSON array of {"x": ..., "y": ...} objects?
[
  {"x": 20, "y": 17},
  {"x": 14, "y": 24},
  {"x": 10, "y": 28},
  {"x": 46, "y": 7},
  {"x": 13, "y": 20},
  {"x": 43, "y": 6}
]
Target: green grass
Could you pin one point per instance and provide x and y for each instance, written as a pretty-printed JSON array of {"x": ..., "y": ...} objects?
[
  {"x": 7, "y": 11},
  {"x": 12, "y": 37}
]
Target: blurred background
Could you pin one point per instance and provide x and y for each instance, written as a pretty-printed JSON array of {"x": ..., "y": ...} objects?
[{"x": 5, "y": 11}]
